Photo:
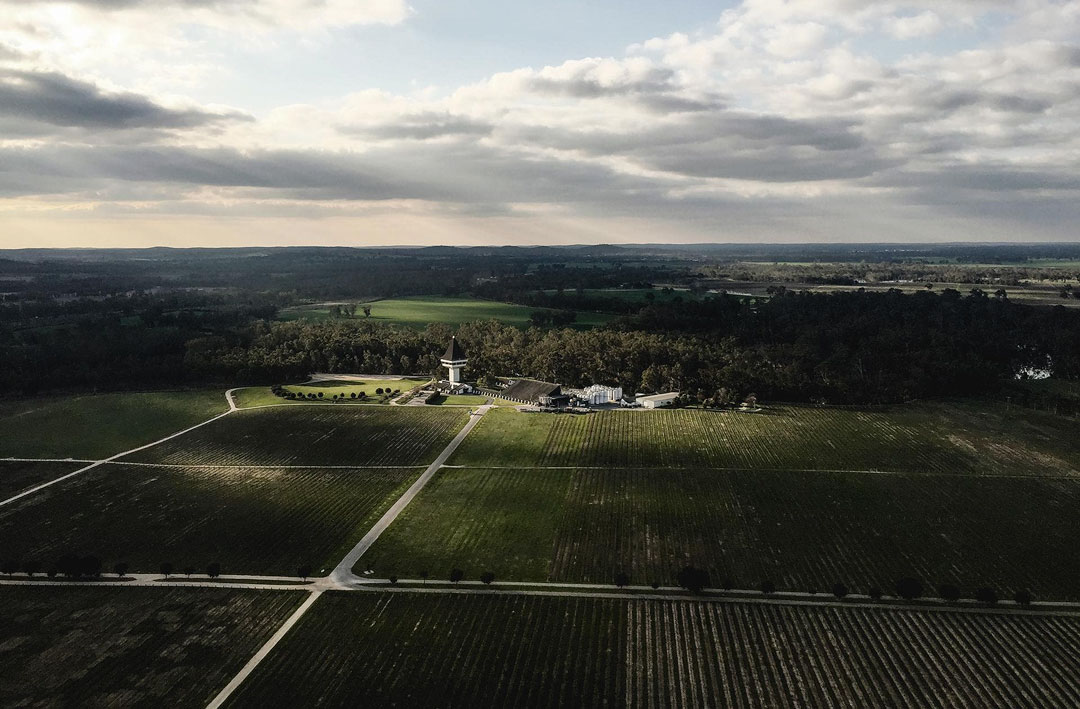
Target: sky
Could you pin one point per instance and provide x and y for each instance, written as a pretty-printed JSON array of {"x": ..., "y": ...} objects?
[{"x": 385, "y": 122}]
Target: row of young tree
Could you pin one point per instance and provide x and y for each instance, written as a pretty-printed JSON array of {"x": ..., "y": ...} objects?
[{"x": 830, "y": 348}]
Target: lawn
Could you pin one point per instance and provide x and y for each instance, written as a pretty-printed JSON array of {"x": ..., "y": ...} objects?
[
  {"x": 248, "y": 520},
  {"x": 418, "y": 650},
  {"x": 420, "y": 311},
  {"x": 15, "y": 477},
  {"x": 802, "y": 530},
  {"x": 315, "y": 435},
  {"x": 931, "y": 437},
  {"x": 100, "y": 425},
  {"x": 96, "y": 647},
  {"x": 261, "y": 396}
]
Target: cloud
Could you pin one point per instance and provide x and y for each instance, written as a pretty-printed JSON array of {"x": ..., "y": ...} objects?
[
  {"x": 220, "y": 13},
  {"x": 783, "y": 116},
  {"x": 425, "y": 125},
  {"x": 924, "y": 24},
  {"x": 39, "y": 102}
]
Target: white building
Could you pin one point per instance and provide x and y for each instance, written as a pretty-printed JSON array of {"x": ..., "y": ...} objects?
[
  {"x": 658, "y": 401},
  {"x": 454, "y": 360},
  {"x": 597, "y": 395}
]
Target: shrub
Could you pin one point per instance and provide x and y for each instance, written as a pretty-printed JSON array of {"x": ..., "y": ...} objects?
[
  {"x": 986, "y": 595},
  {"x": 693, "y": 579}
]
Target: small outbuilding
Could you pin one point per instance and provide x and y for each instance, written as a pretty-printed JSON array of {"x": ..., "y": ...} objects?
[{"x": 658, "y": 401}]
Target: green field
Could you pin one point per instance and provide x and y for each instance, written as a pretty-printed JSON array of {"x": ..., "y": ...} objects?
[
  {"x": 262, "y": 396},
  {"x": 97, "y": 647},
  {"x": 248, "y": 520},
  {"x": 315, "y": 435},
  {"x": 407, "y": 649},
  {"x": 100, "y": 425},
  {"x": 420, "y": 311},
  {"x": 804, "y": 531},
  {"x": 15, "y": 477},
  {"x": 932, "y": 437}
]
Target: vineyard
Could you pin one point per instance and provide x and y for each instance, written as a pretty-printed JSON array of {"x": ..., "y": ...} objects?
[
  {"x": 315, "y": 435},
  {"x": 927, "y": 438},
  {"x": 523, "y": 651},
  {"x": 804, "y": 531},
  {"x": 100, "y": 425},
  {"x": 130, "y": 646},
  {"x": 18, "y": 476},
  {"x": 249, "y": 520}
]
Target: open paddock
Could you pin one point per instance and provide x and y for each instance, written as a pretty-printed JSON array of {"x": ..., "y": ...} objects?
[
  {"x": 306, "y": 435},
  {"x": 804, "y": 531},
  {"x": 413, "y": 649},
  {"x": 98, "y": 647},
  {"x": 344, "y": 389},
  {"x": 248, "y": 520},
  {"x": 980, "y": 438}
]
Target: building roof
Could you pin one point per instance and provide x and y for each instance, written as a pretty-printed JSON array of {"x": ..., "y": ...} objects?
[
  {"x": 660, "y": 397},
  {"x": 454, "y": 352},
  {"x": 530, "y": 390}
]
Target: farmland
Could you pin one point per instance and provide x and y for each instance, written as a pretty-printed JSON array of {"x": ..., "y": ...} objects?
[
  {"x": 18, "y": 476},
  {"x": 804, "y": 531},
  {"x": 130, "y": 646},
  {"x": 100, "y": 425},
  {"x": 305, "y": 435},
  {"x": 427, "y": 650},
  {"x": 926, "y": 438},
  {"x": 248, "y": 520},
  {"x": 420, "y": 311}
]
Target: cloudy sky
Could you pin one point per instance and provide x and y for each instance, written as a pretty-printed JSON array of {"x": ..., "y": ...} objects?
[{"x": 235, "y": 122}]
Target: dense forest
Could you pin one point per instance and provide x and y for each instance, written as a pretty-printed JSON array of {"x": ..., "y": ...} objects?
[
  {"x": 143, "y": 319},
  {"x": 839, "y": 348}
]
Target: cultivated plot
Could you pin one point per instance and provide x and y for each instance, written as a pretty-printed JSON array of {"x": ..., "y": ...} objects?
[
  {"x": 130, "y": 646},
  {"x": 804, "y": 531},
  {"x": 100, "y": 425},
  {"x": 248, "y": 520},
  {"x": 312, "y": 435},
  {"x": 16, "y": 477},
  {"x": 940, "y": 438},
  {"x": 523, "y": 651}
]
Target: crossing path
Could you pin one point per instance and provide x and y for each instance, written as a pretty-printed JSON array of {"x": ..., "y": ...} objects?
[{"x": 342, "y": 573}]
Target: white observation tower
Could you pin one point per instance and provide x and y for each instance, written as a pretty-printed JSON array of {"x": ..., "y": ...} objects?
[{"x": 454, "y": 360}]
